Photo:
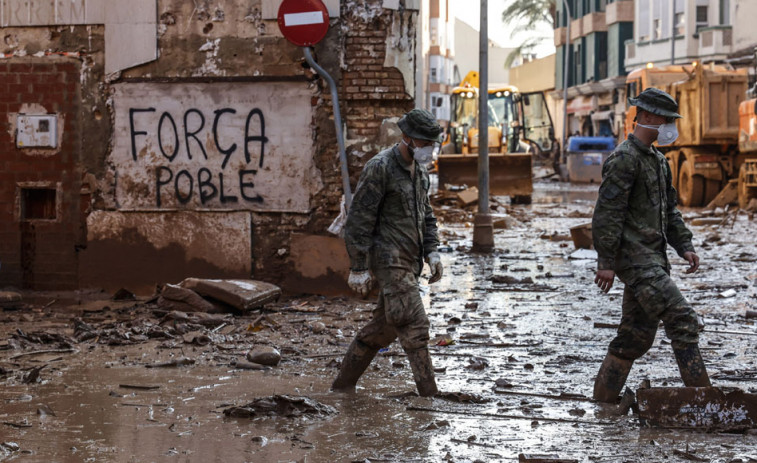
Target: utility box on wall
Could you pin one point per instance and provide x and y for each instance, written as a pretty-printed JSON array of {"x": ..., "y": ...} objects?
[{"x": 38, "y": 131}]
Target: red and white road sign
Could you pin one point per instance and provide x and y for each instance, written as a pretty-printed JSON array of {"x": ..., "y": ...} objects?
[{"x": 303, "y": 22}]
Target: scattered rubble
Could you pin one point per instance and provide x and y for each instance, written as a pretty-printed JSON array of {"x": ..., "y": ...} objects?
[{"x": 282, "y": 405}]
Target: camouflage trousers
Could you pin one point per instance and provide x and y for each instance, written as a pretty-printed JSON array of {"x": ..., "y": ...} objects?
[
  {"x": 651, "y": 296},
  {"x": 398, "y": 314}
]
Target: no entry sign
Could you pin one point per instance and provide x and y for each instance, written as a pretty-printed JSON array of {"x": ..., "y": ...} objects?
[{"x": 303, "y": 22}]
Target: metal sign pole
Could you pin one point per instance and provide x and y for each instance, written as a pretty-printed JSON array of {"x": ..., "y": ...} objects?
[
  {"x": 337, "y": 123},
  {"x": 483, "y": 228}
]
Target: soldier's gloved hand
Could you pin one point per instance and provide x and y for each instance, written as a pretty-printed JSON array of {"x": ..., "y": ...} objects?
[
  {"x": 360, "y": 282},
  {"x": 435, "y": 264}
]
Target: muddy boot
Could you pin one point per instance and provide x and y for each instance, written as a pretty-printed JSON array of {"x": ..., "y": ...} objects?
[
  {"x": 611, "y": 378},
  {"x": 423, "y": 372},
  {"x": 355, "y": 361},
  {"x": 691, "y": 365}
]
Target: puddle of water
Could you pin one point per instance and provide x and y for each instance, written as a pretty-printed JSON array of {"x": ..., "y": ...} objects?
[{"x": 536, "y": 338}]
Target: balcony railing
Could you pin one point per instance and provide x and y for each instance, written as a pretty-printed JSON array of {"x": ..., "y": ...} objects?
[
  {"x": 560, "y": 36},
  {"x": 619, "y": 11},
  {"x": 716, "y": 40},
  {"x": 594, "y": 22},
  {"x": 576, "y": 29}
]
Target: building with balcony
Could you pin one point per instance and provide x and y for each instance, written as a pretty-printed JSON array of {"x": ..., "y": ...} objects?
[
  {"x": 701, "y": 30},
  {"x": 595, "y": 72}
]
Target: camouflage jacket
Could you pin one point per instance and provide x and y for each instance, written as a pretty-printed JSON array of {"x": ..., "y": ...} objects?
[
  {"x": 636, "y": 215},
  {"x": 390, "y": 219}
]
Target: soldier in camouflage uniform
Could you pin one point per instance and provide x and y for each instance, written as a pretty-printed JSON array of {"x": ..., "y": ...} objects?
[
  {"x": 390, "y": 230},
  {"x": 635, "y": 218}
]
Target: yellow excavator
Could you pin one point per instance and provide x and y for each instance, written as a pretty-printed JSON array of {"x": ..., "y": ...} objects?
[{"x": 519, "y": 127}]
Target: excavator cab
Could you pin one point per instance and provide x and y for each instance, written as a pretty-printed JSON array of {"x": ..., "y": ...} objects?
[
  {"x": 518, "y": 125},
  {"x": 538, "y": 130}
]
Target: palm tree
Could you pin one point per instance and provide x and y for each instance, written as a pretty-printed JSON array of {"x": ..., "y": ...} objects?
[{"x": 527, "y": 15}]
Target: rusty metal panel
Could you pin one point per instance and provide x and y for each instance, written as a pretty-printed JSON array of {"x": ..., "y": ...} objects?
[
  {"x": 697, "y": 407},
  {"x": 218, "y": 146}
]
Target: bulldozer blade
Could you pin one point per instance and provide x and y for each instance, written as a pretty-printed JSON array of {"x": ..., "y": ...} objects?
[{"x": 509, "y": 173}]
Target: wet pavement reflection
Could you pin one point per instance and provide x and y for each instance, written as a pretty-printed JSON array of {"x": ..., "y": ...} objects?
[{"x": 524, "y": 331}]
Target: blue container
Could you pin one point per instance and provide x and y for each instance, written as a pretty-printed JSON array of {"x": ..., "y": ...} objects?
[{"x": 585, "y": 157}]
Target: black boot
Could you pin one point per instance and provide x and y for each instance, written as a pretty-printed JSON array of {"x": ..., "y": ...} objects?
[
  {"x": 611, "y": 378},
  {"x": 356, "y": 360},
  {"x": 423, "y": 372},
  {"x": 691, "y": 365}
]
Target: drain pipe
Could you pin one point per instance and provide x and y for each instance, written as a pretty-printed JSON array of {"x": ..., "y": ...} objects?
[{"x": 338, "y": 125}]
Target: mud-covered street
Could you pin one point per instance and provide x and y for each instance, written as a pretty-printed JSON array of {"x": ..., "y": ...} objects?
[{"x": 518, "y": 336}]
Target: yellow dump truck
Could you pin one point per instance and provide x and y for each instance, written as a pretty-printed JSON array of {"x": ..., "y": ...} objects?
[
  {"x": 519, "y": 127},
  {"x": 706, "y": 154}
]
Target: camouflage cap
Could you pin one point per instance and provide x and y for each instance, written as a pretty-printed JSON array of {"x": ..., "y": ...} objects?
[
  {"x": 657, "y": 102},
  {"x": 421, "y": 125}
]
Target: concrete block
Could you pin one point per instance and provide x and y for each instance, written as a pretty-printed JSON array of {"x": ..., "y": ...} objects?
[
  {"x": 468, "y": 196},
  {"x": 244, "y": 295}
]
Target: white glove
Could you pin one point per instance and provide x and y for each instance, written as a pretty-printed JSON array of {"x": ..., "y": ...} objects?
[
  {"x": 435, "y": 264},
  {"x": 360, "y": 282}
]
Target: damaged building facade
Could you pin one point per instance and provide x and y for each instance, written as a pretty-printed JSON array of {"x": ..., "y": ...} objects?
[{"x": 147, "y": 141}]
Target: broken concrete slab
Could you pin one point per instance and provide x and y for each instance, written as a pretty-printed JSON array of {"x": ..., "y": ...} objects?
[
  {"x": 174, "y": 297},
  {"x": 468, "y": 196},
  {"x": 244, "y": 295},
  {"x": 697, "y": 407}
]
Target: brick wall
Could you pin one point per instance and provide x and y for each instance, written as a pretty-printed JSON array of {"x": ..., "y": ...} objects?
[{"x": 39, "y": 253}]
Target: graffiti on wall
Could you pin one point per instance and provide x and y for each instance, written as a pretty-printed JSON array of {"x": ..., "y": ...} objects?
[{"x": 214, "y": 146}]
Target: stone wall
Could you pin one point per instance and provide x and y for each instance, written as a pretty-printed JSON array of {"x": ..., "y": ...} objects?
[{"x": 177, "y": 124}]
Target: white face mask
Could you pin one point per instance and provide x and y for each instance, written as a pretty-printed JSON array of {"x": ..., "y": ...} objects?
[
  {"x": 422, "y": 155},
  {"x": 666, "y": 133}
]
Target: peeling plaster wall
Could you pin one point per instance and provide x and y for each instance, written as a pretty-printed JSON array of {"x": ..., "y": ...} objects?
[{"x": 207, "y": 51}]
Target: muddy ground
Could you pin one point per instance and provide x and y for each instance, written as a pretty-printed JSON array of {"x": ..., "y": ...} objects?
[{"x": 520, "y": 326}]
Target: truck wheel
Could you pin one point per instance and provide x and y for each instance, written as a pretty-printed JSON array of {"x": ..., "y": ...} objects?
[
  {"x": 690, "y": 186},
  {"x": 711, "y": 189}
]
